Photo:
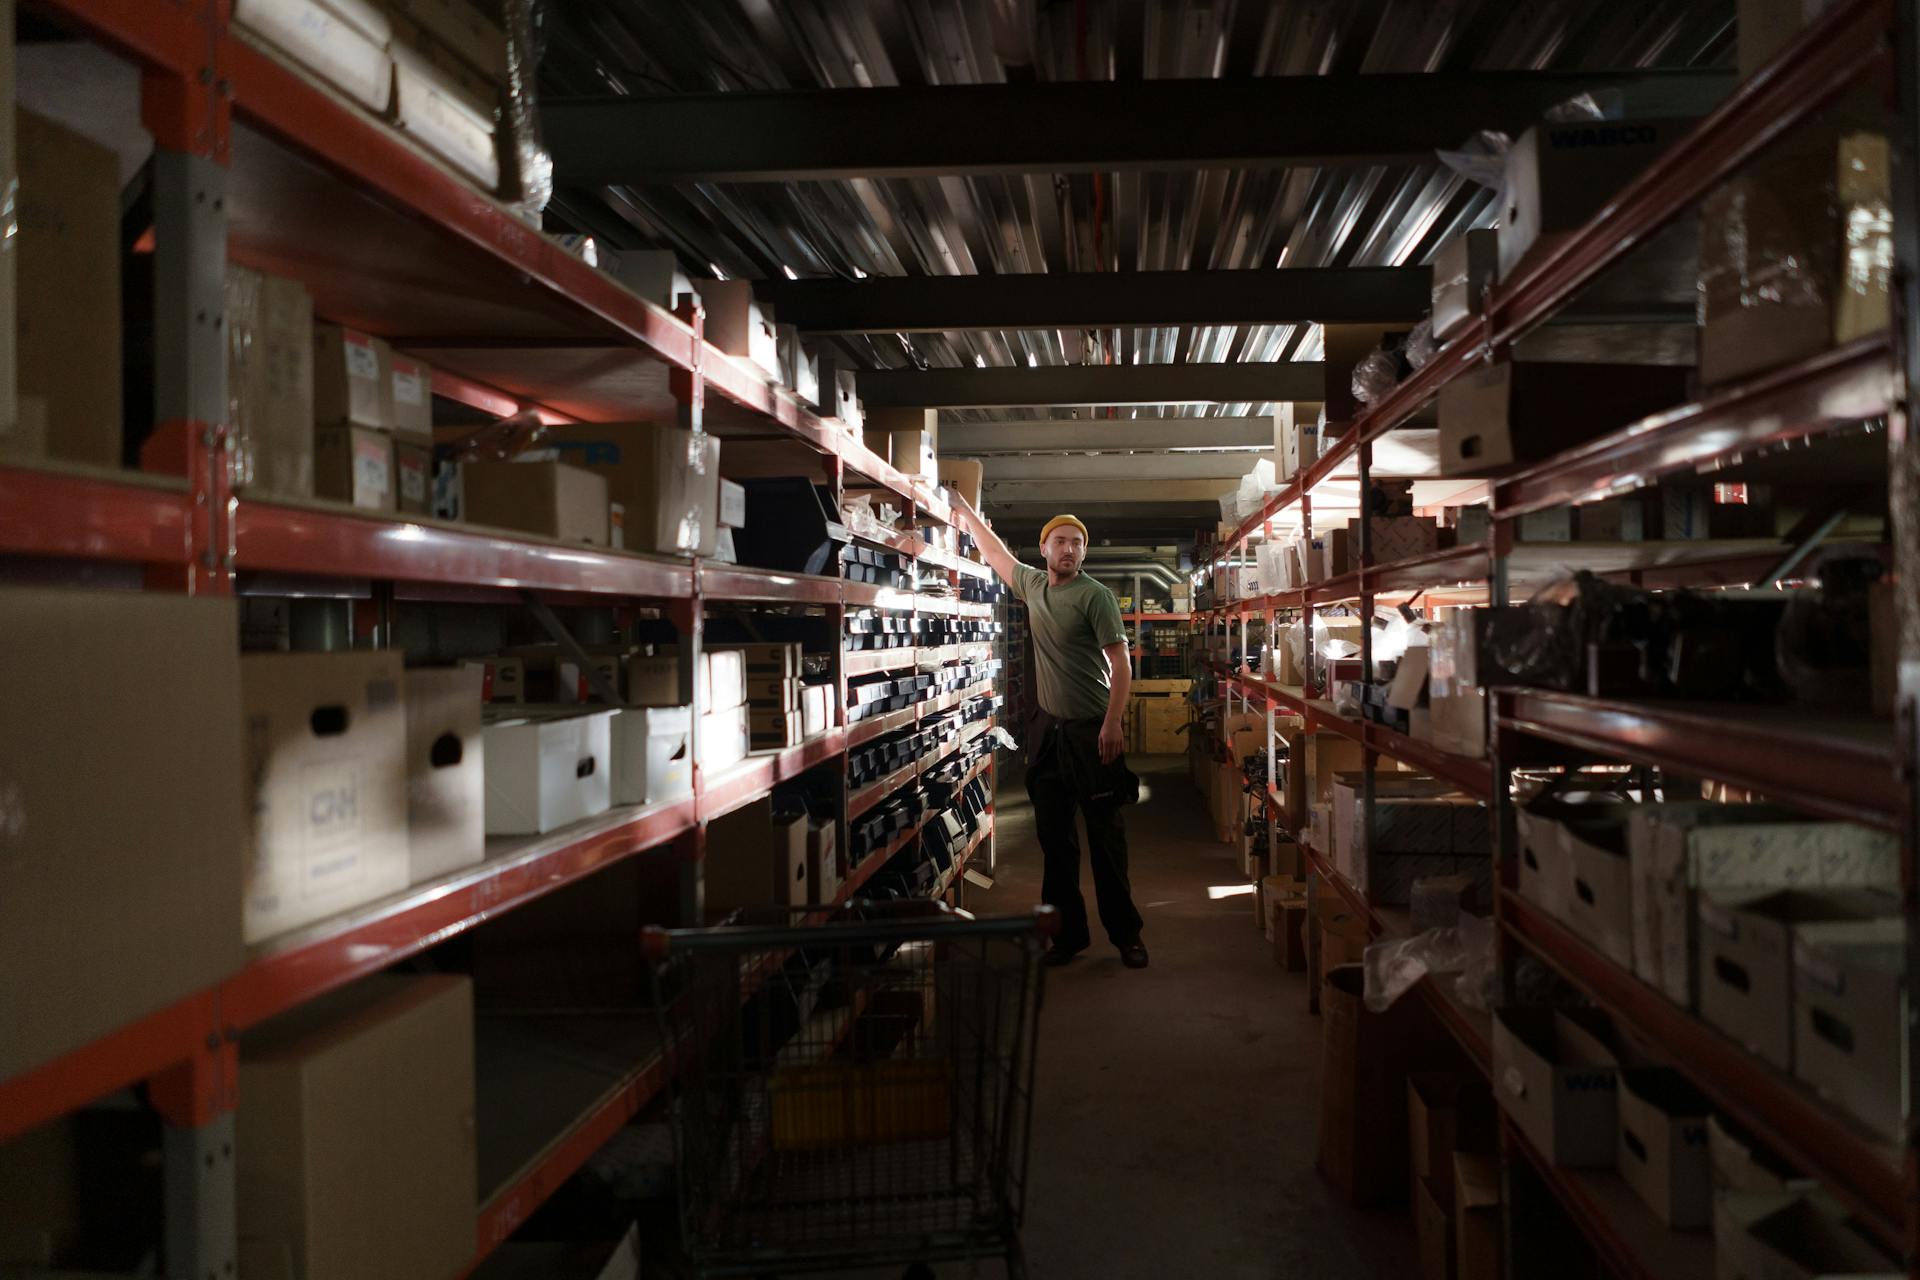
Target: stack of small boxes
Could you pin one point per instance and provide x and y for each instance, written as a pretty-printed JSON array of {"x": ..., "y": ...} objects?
[
  {"x": 774, "y": 716},
  {"x": 373, "y": 423},
  {"x": 880, "y": 568}
]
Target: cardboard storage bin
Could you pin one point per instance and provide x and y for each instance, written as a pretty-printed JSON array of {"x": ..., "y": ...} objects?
[
  {"x": 1463, "y": 267},
  {"x": 355, "y": 465},
  {"x": 446, "y": 773},
  {"x": 1850, "y": 998},
  {"x": 546, "y": 770},
  {"x": 1476, "y": 1217},
  {"x": 1555, "y": 1074},
  {"x": 1746, "y": 958},
  {"x": 127, "y": 836},
  {"x": 354, "y": 1156},
  {"x": 1445, "y": 1114},
  {"x": 1559, "y": 174},
  {"x": 756, "y": 858},
  {"x": 723, "y": 739},
  {"x": 352, "y": 379},
  {"x": 1741, "y": 1162},
  {"x": 665, "y": 478},
  {"x": 1793, "y": 1237},
  {"x": 550, "y": 499},
  {"x": 326, "y": 741},
  {"x": 823, "y": 860},
  {"x": 1363, "y": 1096},
  {"x": 652, "y": 754},
  {"x": 1663, "y": 1153},
  {"x": 1496, "y": 417},
  {"x": 344, "y": 44}
]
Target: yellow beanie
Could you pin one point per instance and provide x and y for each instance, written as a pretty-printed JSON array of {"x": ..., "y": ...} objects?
[{"x": 1059, "y": 521}]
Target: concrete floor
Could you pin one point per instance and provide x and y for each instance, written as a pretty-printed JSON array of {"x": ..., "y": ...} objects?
[{"x": 1175, "y": 1124}]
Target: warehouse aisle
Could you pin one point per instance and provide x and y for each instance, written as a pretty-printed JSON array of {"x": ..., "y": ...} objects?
[{"x": 1176, "y": 1119}]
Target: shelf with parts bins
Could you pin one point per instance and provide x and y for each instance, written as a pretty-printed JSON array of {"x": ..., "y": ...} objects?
[
  {"x": 308, "y": 187},
  {"x": 1837, "y": 767}
]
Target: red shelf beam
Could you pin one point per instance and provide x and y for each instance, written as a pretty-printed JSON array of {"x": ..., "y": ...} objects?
[
  {"x": 760, "y": 773},
  {"x": 57, "y": 513}
]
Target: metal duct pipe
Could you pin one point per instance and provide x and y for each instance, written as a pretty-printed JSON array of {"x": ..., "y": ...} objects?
[{"x": 1161, "y": 573}]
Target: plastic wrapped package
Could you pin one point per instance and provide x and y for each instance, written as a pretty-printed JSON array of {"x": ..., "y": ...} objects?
[
  {"x": 1395, "y": 967},
  {"x": 527, "y": 169},
  {"x": 1377, "y": 374},
  {"x": 269, "y": 383},
  {"x": 1481, "y": 159},
  {"x": 1421, "y": 347}
]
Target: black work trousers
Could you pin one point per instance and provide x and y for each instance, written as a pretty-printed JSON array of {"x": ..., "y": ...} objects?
[{"x": 1064, "y": 773}]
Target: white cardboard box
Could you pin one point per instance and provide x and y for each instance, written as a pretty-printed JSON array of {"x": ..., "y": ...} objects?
[
  {"x": 723, "y": 739},
  {"x": 733, "y": 504},
  {"x": 326, "y": 741},
  {"x": 1559, "y": 1082},
  {"x": 1850, "y": 1004},
  {"x": 545, "y": 771},
  {"x": 431, "y": 107},
  {"x": 446, "y": 773},
  {"x": 339, "y": 49},
  {"x": 652, "y": 754},
  {"x": 816, "y": 709},
  {"x": 1663, "y": 1152}
]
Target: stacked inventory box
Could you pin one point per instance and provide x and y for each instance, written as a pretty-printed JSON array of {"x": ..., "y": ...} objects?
[
  {"x": 880, "y": 629},
  {"x": 878, "y": 568},
  {"x": 774, "y": 715}
]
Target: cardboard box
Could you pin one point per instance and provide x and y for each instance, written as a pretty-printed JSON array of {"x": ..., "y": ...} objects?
[
  {"x": 965, "y": 476},
  {"x": 879, "y": 443},
  {"x": 344, "y": 44},
  {"x": 1556, "y": 1076},
  {"x": 1600, "y": 904},
  {"x": 446, "y": 773},
  {"x": 799, "y": 366},
  {"x": 1363, "y": 1097},
  {"x": 1463, "y": 267},
  {"x": 1560, "y": 174},
  {"x": 412, "y": 399},
  {"x": 773, "y": 728},
  {"x": 823, "y": 861},
  {"x": 1433, "y": 1227},
  {"x": 413, "y": 477},
  {"x": 755, "y": 858},
  {"x": 354, "y": 465},
  {"x": 127, "y": 825},
  {"x": 652, "y": 754},
  {"x": 1765, "y": 27},
  {"x": 1850, "y": 1001},
  {"x": 765, "y": 661},
  {"x": 270, "y": 383},
  {"x": 502, "y": 679},
  {"x": 733, "y": 504},
  {"x": 915, "y": 444},
  {"x": 464, "y": 30},
  {"x": 1476, "y": 1217},
  {"x": 550, "y": 499},
  {"x": 1445, "y": 1114},
  {"x": 722, "y": 739},
  {"x": 839, "y": 392},
  {"x": 667, "y": 480},
  {"x": 354, "y": 1158},
  {"x": 68, "y": 356},
  {"x": 773, "y": 691},
  {"x": 352, "y": 379},
  {"x": 546, "y": 771},
  {"x": 816, "y": 709},
  {"x": 1796, "y": 254},
  {"x": 433, "y": 106},
  {"x": 1498, "y": 416},
  {"x": 1794, "y": 1237},
  {"x": 1680, "y": 850},
  {"x": 326, "y": 742},
  {"x": 1747, "y": 952},
  {"x": 1662, "y": 1152},
  {"x": 739, "y": 326},
  {"x": 1742, "y": 1163}
]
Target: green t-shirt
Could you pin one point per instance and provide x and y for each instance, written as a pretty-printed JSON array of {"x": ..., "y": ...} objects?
[{"x": 1071, "y": 626}]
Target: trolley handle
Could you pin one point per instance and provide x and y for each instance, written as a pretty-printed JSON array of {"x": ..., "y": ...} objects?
[{"x": 911, "y": 922}]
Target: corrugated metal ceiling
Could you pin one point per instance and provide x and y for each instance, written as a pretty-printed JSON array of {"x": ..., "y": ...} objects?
[{"x": 1223, "y": 219}]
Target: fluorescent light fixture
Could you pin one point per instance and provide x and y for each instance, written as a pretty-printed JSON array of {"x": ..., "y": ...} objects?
[
  {"x": 1033, "y": 361},
  {"x": 858, "y": 274},
  {"x": 979, "y": 361},
  {"x": 718, "y": 274},
  {"x": 790, "y": 272},
  {"x": 1219, "y": 891}
]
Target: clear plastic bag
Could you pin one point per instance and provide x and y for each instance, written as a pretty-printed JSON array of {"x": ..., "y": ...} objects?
[
  {"x": 1421, "y": 348},
  {"x": 1481, "y": 159},
  {"x": 528, "y": 177},
  {"x": 1395, "y": 967},
  {"x": 1376, "y": 375}
]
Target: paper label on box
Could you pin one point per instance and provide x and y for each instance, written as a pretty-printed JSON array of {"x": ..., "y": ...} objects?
[
  {"x": 1719, "y": 920},
  {"x": 1819, "y": 970},
  {"x": 413, "y": 480},
  {"x": 370, "y": 466},
  {"x": 362, "y": 360},
  {"x": 409, "y": 387}
]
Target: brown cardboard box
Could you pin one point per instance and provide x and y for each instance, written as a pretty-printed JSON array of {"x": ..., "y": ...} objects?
[
  {"x": 915, "y": 447},
  {"x": 823, "y": 861},
  {"x": 1796, "y": 254},
  {"x": 765, "y": 661},
  {"x": 355, "y": 1155},
  {"x": 1662, "y": 1152},
  {"x": 446, "y": 775},
  {"x": 1463, "y": 267},
  {"x": 551, "y": 499},
  {"x": 352, "y": 379},
  {"x": 354, "y": 465},
  {"x": 412, "y": 399},
  {"x": 1344, "y": 935},
  {"x": 446, "y": 110},
  {"x": 1285, "y": 898},
  {"x": 1363, "y": 1099},
  {"x": 1792, "y": 1237},
  {"x": 68, "y": 304},
  {"x": 127, "y": 827},
  {"x": 1445, "y": 1114},
  {"x": 1229, "y": 802},
  {"x": 326, "y": 742},
  {"x": 880, "y": 443},
  {"x": 755, "y": 860},
  {"x": 1497, "y": 416},
  {"x": 1557, "y": 1077},
  {"x": 270, "y": 383},
  {"x": 502, "y": 679},
  {"x": 773, "y": 691},
  {"x": 1741, "y": 1162},
  {"x": 964, "y": 475},
  {"x": 1560, "y": 174},
  {"x": 738, "y": 325},
  {"x": 1433, "y": 1226},
  {"x": 667, "y": 480},
  {"x": 1476, "y": 1217},
  {"x": 1849, "y": 988},
  {"x": 413, "y": 477},
  {"x": 464, "y": 30},
  {"x": 773, "y": 728}
]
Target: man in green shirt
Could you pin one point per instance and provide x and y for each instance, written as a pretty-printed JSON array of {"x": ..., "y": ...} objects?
[{"x": 1075, "y": 747}]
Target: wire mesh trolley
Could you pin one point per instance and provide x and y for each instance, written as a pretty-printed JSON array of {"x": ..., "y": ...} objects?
[{"x": 854, "y": 1093}]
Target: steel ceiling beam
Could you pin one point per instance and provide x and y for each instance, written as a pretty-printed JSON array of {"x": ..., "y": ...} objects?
[
  {"x": 1097, "y": 300},
  {"x": 1063, "y": 494},
  {"x": 1225, "y": 469},
  {"x": 1076, "y": 435},
  {"x": 1113, "y": 384},
  {"x": 1072, "y": 126}
]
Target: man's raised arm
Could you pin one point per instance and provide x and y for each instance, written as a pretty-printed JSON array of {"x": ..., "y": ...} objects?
[{"x": 999, "y": 557}]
